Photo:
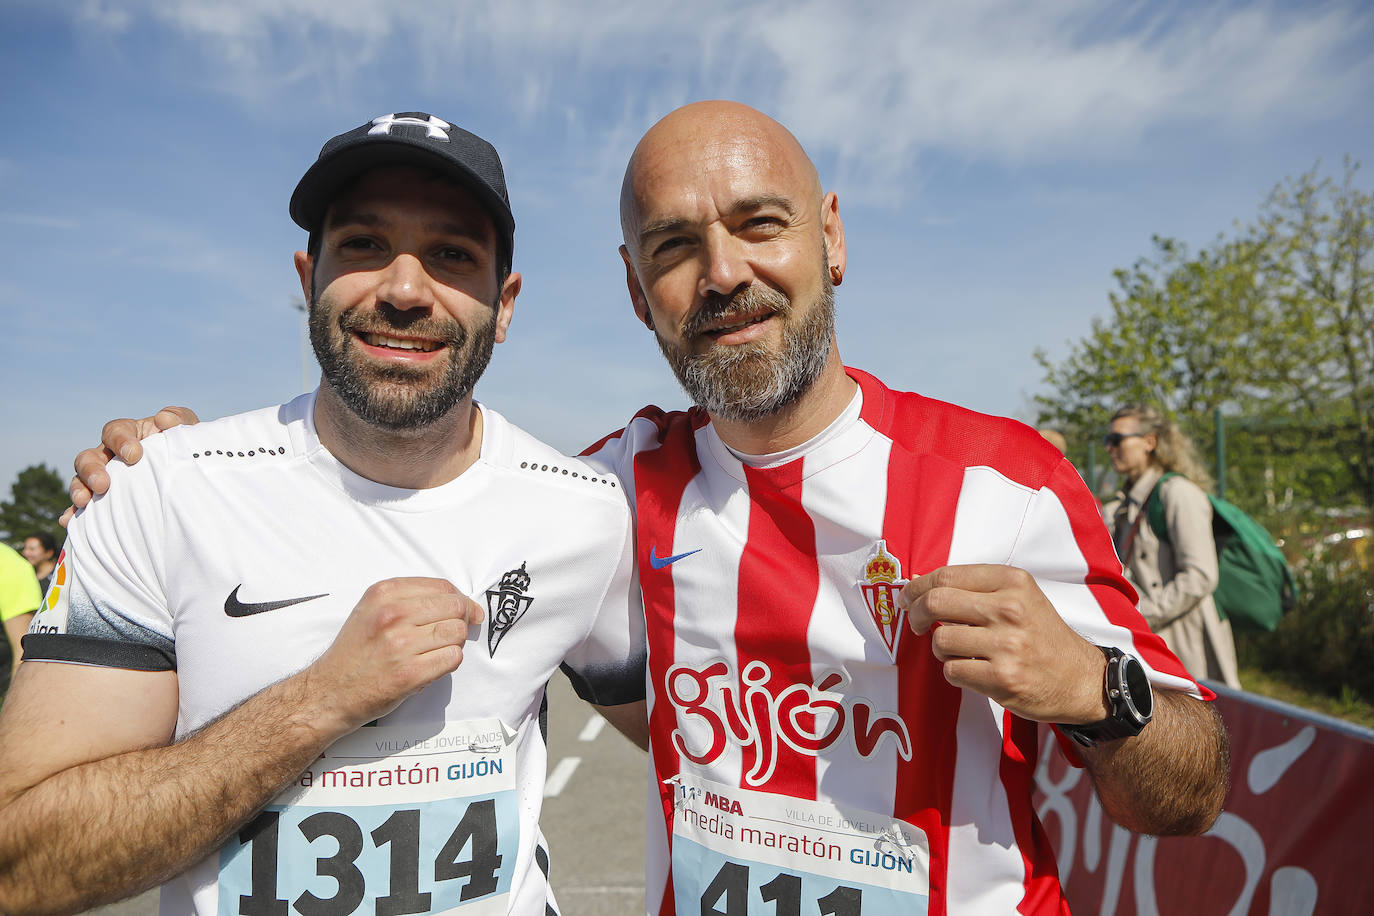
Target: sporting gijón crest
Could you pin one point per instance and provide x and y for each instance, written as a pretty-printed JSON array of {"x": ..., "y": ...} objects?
[
  {"x": 879, "y": 584},
  {"x": 506, "y": 604}
]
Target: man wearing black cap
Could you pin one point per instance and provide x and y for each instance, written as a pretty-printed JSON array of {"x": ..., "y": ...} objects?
[{"x": 298, "y": 656}]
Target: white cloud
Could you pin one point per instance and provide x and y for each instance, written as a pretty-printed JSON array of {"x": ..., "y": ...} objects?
[
  {"x": 877, "y": 86},
  {"x": 1014, "y": 81}
]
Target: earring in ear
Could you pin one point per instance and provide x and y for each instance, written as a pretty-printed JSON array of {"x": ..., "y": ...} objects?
[{"x": 836, "y": 275}]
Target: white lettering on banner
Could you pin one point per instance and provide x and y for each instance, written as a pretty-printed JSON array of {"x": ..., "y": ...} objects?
[
  {"x": 754, "y": 717},
  {"x": 1293, "y": 891},
  {"x": 1267, "y": 767}
]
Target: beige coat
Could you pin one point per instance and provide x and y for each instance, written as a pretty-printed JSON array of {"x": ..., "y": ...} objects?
[{"x": 1176, "y": 579}]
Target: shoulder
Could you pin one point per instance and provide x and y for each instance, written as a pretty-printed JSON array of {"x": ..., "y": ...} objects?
[
  {"x": 243, "y": 441},
  {"x": 669, "y": 433},
  {"x": 1177, "y": 491},
  {"x": 651, "y": 426},
  {"x": 256, "y": 434},
  {"x": 539, "y": 464},
  {"x": 966, "y": 437}
]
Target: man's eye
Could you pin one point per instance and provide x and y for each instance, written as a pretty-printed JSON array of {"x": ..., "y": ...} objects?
[
  {"x": 358, "y": 243},
  {"x": 763, "y": 224},
  {"x": 451, "y": 253},
  {"x": 668, "y": 245}
]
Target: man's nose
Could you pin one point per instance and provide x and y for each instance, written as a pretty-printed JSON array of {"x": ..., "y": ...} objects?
[
  {"x": 405, "y": 284},
  {"x": 726, "y": 266}
]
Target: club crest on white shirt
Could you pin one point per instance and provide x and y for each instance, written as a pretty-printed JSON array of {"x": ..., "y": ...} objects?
[
  {"x": 506, "y": 604},
  {"x": 879, "y": 584}
]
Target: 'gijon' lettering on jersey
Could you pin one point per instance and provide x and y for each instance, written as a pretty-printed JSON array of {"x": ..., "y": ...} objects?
[{"x": 755, "y": 718}]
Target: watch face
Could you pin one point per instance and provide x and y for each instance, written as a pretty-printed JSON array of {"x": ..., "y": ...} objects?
[{"x": 1138, "y": 693}]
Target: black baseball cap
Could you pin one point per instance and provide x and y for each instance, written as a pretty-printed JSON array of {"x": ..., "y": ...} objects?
[{"x": 409, "y": 138}]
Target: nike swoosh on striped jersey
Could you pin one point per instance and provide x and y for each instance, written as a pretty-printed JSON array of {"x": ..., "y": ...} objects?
[
  {"x": 236, "y": 608},
  {"x": 658, "y": 562}
]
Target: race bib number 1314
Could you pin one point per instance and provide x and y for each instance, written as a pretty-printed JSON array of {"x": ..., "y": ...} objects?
[{"x": 387, "y": 822}]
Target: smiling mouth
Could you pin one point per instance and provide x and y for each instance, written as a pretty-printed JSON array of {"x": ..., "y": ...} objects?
[
  {"x": 386, "y": 341},
  {"x": 739, "y": 324}
]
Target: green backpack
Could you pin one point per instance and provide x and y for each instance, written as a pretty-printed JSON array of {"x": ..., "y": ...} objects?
[{"x": 1255, "y": 585}]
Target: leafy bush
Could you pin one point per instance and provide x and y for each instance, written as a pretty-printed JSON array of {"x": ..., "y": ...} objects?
[{"x": 1326, "y": 643}]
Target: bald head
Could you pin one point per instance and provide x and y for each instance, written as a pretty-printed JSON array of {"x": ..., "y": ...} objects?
[
  {"x": 731, "y": 257},
  {"x": 718, "y": 142}
]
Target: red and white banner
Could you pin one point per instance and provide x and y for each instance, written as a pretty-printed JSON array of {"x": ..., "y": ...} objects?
[{"x": 1294, "y": 839}]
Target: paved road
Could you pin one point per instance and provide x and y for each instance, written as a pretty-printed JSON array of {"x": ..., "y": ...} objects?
[
  {"x": 593, "y": 815},
  {"x": 595, "y": 826}
]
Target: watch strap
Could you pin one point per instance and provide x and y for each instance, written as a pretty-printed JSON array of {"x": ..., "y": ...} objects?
[{"x": 1124, "y": 720}]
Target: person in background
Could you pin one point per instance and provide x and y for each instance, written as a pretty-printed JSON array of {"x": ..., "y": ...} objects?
[
  {"x": 19, "y": 597},
  {"x": 1054, "y": 437},
  {"x": 40, "y": 549},
  {"x": 1175, "y": 578}
]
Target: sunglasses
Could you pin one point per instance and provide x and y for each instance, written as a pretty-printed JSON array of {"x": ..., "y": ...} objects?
[{"x": 1112, "y": 440}]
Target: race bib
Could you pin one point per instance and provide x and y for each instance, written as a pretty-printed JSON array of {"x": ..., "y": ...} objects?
[
  {"x": 390, "y": 820},
  {"x": 737, "y": 852}
]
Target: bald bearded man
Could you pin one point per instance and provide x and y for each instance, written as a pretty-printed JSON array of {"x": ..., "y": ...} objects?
[{"x": 823, "y": 730}]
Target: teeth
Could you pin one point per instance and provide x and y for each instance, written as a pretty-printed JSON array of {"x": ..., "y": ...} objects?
[
  {"x": 396, "y": 343},
  {"x": 735, "y": 327}
]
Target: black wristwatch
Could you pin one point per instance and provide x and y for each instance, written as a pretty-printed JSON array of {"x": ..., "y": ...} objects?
[{"x": 1129, "y": 698}]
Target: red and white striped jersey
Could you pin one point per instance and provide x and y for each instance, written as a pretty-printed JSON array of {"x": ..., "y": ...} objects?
[{"x": 807, "y": 748}]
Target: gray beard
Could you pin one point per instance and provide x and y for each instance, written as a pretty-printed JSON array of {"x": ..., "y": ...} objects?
[
  {"x": 398, "y": 398},
  {"x": 750, "y": 382}
]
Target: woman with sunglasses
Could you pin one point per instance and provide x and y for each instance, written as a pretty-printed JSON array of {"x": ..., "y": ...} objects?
[{"x": 1174, "y": 576}]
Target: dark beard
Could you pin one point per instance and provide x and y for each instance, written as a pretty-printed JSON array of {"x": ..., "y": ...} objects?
[
  {"x": 749, "y": 382},
  {"x": 399, "y": 397}
]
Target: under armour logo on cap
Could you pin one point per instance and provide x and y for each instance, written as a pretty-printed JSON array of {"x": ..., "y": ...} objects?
[{"x": 435, "y": 128}]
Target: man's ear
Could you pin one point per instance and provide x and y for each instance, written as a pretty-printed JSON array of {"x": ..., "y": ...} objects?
[
  {"x": 305, "y": 269},
  {"x": 505, "y": 306},
  {"x": 833, "y": 229},
  {"x": 637, "y": 298}
]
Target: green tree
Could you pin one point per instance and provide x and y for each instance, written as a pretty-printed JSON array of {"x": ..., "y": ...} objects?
[
  {"x": 1316, "y": 359},
  {"x": 1275, "y": 324},
  {"x": 37, "y": 497}
]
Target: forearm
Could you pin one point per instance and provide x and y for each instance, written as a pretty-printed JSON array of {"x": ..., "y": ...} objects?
[
  {"x": 103, "y": 830},
  {"x": 1171, "y": 779}
]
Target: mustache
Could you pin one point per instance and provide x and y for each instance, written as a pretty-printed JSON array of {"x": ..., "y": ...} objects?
[
  {"x": 388, "y": 320},
  {"x": 747, "y": 301}
]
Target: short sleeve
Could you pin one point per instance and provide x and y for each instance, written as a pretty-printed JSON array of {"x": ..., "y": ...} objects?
[
  {"x": 107, "y": 605},
  {"x": 1066, "y": 547},
  {"x": 608, "y": 667}
]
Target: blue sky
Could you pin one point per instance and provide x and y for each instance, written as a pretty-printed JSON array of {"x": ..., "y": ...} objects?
[{"x": 995, "y": 161}]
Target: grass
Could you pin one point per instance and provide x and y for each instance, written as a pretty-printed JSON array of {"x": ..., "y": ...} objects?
[{"x": 1275, "y": 685}]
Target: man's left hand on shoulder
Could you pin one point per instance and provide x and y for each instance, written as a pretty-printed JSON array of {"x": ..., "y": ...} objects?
[{"x": 996, "y": 633}]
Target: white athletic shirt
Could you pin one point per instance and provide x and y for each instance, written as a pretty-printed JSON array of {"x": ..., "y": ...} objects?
[
  {"x": 809, "y": 754},
  {"x": 234, "y": 552}
]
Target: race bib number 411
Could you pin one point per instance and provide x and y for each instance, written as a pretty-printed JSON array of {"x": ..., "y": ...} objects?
[
  {"x": 388, "y": 821},
  {"x": 738, "y": 852}
]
